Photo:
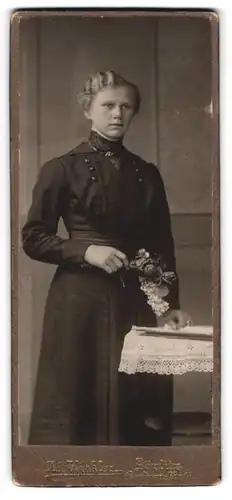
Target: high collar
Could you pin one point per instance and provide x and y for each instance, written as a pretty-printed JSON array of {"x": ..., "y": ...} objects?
[{"x": 105, "y": 146}]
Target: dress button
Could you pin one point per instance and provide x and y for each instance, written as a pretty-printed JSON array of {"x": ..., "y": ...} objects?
[
  {"x": 86, "y": 160},
  {"x": 91, "y": 168},
  {"x": 93, "y": 178},
  {"x": 140, "y": 179},
  {"x": 137, "y": 170}
]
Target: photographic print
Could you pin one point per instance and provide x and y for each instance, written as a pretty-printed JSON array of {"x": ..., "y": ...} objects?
[{"x": 115, "y": 247}]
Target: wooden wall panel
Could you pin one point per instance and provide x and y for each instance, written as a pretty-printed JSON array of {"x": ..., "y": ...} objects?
[{"x": 185, "y": 112}]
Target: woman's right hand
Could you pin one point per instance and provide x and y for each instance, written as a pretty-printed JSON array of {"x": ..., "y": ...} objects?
[{"x": 107, "y": 258}]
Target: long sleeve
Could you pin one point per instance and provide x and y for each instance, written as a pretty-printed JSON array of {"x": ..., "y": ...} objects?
[
  {"x": 40, "y": 241},
  {"x": 161, "y": 235}
]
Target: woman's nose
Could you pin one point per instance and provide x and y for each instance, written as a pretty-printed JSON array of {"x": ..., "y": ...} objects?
[{"x": 117, "y": 112}]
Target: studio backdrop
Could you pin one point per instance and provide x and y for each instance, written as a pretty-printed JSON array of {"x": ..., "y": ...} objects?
[{"x": 170, "y": 61}]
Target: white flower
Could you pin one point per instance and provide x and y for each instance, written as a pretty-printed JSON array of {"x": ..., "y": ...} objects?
[{"x": 158, "y": 305}]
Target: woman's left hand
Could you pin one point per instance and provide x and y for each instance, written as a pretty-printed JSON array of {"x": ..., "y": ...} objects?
[{"x": 178, "y": 319}]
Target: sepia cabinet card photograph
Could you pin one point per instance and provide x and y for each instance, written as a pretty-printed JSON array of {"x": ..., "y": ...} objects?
[{"x": 115, "y": 247}]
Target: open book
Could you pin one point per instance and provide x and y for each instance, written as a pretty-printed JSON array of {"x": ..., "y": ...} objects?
[{"x": 199, "y": 332}]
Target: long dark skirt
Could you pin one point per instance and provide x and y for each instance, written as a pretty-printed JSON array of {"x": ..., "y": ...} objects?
[{"x": 80, "y": 398}]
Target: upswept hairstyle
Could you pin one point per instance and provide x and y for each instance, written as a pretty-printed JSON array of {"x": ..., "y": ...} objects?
[{"x": 102, "y": 80}]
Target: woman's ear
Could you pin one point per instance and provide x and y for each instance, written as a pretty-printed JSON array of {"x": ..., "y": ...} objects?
[{"x": 87, "y": 114}]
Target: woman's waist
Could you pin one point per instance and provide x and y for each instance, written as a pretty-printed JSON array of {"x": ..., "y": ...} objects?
[
  {"x": 93, "y": 236},
  {"x": 124, "y": 243}
]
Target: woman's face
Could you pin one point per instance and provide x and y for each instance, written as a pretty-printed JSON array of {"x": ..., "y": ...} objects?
[{"x": 111, "y": 111}]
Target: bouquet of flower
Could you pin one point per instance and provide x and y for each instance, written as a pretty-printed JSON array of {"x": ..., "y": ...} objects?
[{"x": 154, "y": 279}]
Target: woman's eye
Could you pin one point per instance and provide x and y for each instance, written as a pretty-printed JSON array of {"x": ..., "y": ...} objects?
[
  {"x": 127, "y": 106},
  {"x": 110, "y": 105}
]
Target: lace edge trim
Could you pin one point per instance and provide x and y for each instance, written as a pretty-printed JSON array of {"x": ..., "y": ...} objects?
[{"x": 178, "y": 369}]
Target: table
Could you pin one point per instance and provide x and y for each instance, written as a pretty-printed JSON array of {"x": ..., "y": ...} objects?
[{"x": 167, "y": 352}]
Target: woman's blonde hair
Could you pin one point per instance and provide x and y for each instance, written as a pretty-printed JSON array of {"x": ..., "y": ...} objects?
[{"x": 102, "y": 80}]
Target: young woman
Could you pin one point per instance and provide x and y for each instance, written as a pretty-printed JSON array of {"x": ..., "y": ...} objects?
[{"x": 112, "y": 203}]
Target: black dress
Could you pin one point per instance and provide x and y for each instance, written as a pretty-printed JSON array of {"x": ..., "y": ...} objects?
[{"x": 108, "y": 196}]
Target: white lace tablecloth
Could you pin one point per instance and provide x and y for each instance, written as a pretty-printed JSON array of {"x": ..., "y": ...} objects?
[{"x": 156, "y": 350}]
